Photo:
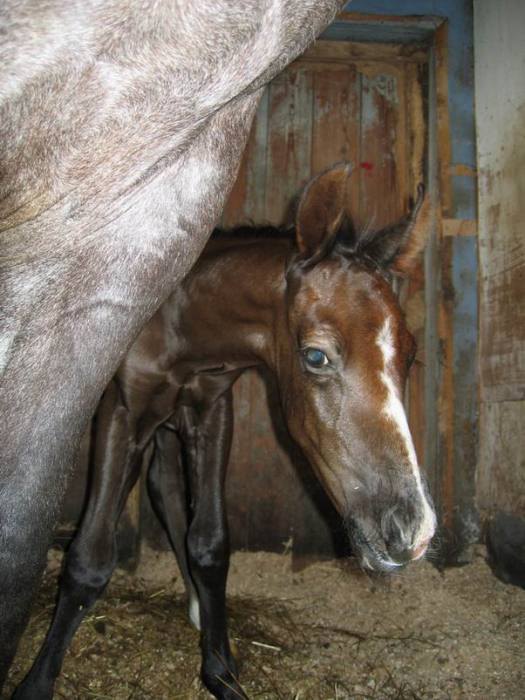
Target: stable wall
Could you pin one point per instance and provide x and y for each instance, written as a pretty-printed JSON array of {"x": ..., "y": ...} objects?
[{"x": 500, "y": 117}]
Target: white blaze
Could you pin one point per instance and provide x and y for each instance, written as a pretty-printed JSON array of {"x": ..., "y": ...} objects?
[{"x": 393, "y": 408}]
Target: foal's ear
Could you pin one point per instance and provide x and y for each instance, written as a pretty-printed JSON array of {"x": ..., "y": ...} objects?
[
  {"x": 397, "y": 247},
  {"x": 320, "y": 211}
]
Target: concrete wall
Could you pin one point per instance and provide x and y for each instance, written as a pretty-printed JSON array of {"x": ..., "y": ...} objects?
[{"x": 500, "y": 114}]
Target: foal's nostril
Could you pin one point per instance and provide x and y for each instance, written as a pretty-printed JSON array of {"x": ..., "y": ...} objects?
[
  {"x": 393, "y": 530},
  {"x": 401, "y": 542}
]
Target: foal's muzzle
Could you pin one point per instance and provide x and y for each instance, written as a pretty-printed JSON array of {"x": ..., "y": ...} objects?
[{"x": 391, "y": 542}]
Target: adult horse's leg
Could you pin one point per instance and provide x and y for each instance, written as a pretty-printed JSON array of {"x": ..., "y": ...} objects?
[
  {"x": 207, "y": 440},
  {"x": 65, "y": 329},
  {"x": 92, "y": 556},
  {"x": 169, "y": 497}
]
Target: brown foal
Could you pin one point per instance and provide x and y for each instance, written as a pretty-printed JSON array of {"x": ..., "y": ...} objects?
[{"x": 318, "y": 310}]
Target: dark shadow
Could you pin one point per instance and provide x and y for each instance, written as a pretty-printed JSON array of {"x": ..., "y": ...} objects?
[{"x": 323, "y": 530}]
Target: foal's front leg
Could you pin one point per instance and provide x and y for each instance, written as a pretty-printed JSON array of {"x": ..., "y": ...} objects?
[
  {"x": 207, "y": 435},
  {"x": 169, "y": 497}
]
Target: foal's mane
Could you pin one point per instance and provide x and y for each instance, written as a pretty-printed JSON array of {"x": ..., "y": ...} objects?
[
  {"x": 347, "y": 243},
  {"x": 251, "y": 231}
]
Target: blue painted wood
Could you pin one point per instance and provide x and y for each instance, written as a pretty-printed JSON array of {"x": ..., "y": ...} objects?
[
  {"x": 465, "y": 362},
  {"x": 464, "y": 197},
  {"x": 385, "y": 32}
]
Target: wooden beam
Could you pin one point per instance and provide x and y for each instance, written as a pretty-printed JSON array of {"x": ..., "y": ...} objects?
[
  {"x": 351, "y": 51},
  {"x": 460, "y": 227}
]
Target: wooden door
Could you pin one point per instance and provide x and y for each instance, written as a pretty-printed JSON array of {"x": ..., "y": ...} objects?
[{"x": 341, "y": 101}]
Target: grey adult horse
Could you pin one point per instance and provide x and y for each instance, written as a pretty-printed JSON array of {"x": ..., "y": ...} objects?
[{"x": 121, "y": 127}]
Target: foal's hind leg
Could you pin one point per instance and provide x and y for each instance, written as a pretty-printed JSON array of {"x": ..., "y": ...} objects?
[
  {"x": 207, "y": 439},
  {"x": 168, "y": 494},
  {"x": 92, "y": 554}
]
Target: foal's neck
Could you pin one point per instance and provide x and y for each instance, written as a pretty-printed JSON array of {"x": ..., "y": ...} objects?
[{"x": 231, "y": 302}]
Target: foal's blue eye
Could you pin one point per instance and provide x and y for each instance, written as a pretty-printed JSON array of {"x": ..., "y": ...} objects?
[{"x": 315, "y": 358}]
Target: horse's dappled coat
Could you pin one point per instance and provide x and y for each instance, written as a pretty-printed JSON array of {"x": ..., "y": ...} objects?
[{"x": 121, "y": 127}]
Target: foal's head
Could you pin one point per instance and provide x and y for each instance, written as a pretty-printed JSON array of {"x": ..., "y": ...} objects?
[{"x": 343, "y": 357}]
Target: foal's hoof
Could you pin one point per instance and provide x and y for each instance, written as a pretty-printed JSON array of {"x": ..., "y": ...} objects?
[
  {"x": 221, "y": 680},
  {"x": 30, "y": 691},
  {"x": 226, "y": 688}
]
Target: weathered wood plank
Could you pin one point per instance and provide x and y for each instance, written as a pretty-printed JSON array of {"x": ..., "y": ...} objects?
[
  {"x": 336, "y": 123},
  {"x": 445, "y": 485},
  {"x": 353, "y": 52},
  {"x": 383, "y": 28},
  {"x": 383, "y": 181},
  {"x": 289, "y": 141},
  {"x": 500, "y": 113},
  {"x": 460, "y": 227},
  {"x": 414, "y": 301},
  {"x": 335, "y": 117},
  {"x": 501, "y": 485},
  {"x": 247, "y": 199},
  {"x": 503, "y": 332},
  {"x": 443, "y": 124}
]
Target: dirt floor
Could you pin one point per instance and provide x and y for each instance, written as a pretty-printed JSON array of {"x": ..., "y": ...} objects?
[{"x": 326, "y": 632}]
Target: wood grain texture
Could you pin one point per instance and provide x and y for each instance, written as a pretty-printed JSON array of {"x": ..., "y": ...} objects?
[
  {"x": 501, "y": 486},
  {"x": 500, "y": 115},
  {"x": 352, "y": 52}
]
